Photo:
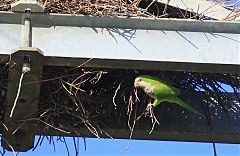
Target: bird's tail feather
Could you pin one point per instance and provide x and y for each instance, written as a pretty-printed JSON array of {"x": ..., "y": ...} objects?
[{"x": 185, "y": 105}]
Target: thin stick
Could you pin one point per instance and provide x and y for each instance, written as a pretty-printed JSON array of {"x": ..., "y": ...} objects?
[
  {"x": 38, "y": 141},
  {"x": 132, "y": 128},
  {"x": 76, "y": 147},
  {"x": 85, "y": 143},
  {"x": 60, "y": 77},
  {"x": 115, "y": 94},
  {"x": 54, "y": 127},
  {"x": 18, "y": 93},
  {"x": 79, "y": 66},
  {"x": 14, "y": 152},
  {"x": 5, "y": 126},
  {"x": 24, "y": 121},
  {"x": 64, "y": 140}
]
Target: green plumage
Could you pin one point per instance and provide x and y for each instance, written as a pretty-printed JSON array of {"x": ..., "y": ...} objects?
[{"x": 162, "y": 91}]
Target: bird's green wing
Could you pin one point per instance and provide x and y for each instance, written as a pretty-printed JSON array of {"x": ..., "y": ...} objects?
[
  {"x": 155, "y": 80},
  {"x": 162, "y": 89}
]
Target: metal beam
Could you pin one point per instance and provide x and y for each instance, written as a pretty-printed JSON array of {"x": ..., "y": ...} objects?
[
  {"x": 175, "y": 124},
  {"x": 126, "y": 64},
  {"x": 184, "y": 44},
  {"x": 168, "y": 24},
  {"x": 155, "y": 135},
  {"x": 171, "y": 135}
]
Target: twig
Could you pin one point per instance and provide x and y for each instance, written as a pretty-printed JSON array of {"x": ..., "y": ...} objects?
[
  {"x": 135, "y": 93},
  {"x": 9, "y": 145},
  {"x": 129, "y": 110},
  {"x": 76, "y": 147},
  {"x": 66, "y": 88},
  {"x": 91, "y": 128},
  {"x": 54, "y": 127},
  {"x": 81, "y": 65},
  {"x": 64, "y": 140},
  {"x": 18, "y": 93},
  {"x": 132, "y": 128},
  {"x": 24, "y": 121},
  {"x": 154, "y": 120},
  {"x": 85, "y": 143},
  {"x": 38, "y": 142},
  {"x": 115, "y": 94},
  {"x": 53, "y": 143},
  {"x": 5, "y": 126}
]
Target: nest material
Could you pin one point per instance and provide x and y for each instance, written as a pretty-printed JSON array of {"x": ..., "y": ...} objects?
[
  {"x": 98, "y": 99},
  {"x": 130, "y": 8},
  {"x": 3, "y": 87},
  {"x": 135, "y": 8}
]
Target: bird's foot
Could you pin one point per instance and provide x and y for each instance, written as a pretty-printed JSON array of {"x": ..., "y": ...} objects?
[
  {"x": 149, "y": 112},
  {"x": 149, "y": 109},
  {"x": 150, "y": 105}
]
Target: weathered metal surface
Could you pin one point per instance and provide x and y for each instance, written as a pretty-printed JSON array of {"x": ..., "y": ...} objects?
[
  {"x": 155, "y": 135},
  {"x": 175, "y": 124},
  {"x": 27, "y": 33},
  {"x": 170, "y": 24},
  {"x": 27, "y": 102},
  {"x": 142, "y": 45},
  {"x": 180, "y": 42},
  {"x": 27, "y": 6},
  {"x": 131, "y": 64}
]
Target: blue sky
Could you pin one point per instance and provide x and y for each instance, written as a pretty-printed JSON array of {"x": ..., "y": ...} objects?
[{"x": 117, "y": 147}]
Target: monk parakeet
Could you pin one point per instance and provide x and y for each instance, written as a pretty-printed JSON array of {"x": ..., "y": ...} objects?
[{"x": 161, "y": 90}]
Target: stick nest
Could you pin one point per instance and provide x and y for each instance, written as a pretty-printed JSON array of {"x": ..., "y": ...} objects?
[
  {"x": 97, "y": 100},
  {"x": 135, "y": 8}
]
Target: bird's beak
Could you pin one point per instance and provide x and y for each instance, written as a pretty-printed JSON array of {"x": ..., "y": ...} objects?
[{"x": 136, "y": 85}]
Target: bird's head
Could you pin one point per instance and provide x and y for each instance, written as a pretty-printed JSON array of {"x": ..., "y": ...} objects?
[
  {"x": 141, "y": 82},
  {"x": 137, "y": 82}
]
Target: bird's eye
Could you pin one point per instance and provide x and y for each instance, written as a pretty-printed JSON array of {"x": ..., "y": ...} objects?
[{"x": 140, "y": 79}]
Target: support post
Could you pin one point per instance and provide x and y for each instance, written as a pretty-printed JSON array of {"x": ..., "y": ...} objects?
[{"x": 22, "y": 100}]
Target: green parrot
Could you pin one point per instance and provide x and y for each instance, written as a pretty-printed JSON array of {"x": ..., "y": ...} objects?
[{"x": 160, "y": 91}]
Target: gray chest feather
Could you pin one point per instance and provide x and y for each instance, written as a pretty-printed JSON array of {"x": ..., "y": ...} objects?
[{"x": 149, "y": 92}]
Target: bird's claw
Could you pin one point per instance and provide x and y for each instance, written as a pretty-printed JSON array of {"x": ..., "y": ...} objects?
[
  {"x": 149, "y": 105},
  {"x": 149, "y": 108}
]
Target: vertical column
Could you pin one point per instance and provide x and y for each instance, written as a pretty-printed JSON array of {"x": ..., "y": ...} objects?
[{"x": 22, "y": 99}]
